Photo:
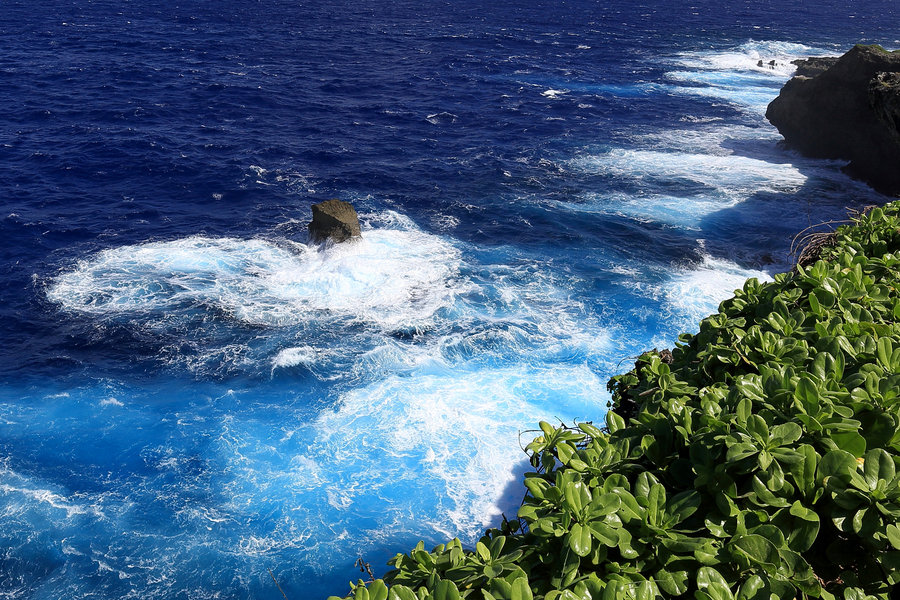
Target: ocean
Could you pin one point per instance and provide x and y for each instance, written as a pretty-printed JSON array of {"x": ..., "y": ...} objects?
[{"x": 196, "y": 403}]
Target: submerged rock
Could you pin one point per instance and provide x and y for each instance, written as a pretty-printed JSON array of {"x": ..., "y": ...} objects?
[
  {"x": 848, "y": 110},
  {"x": 335, "y": 220}
]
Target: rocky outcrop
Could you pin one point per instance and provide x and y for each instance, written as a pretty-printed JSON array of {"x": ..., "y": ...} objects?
[
  {"x": 335, "y": 220},
  {"x": 816, "y": 65},
  {"x": 884, "y": 96},
  {"x": 849, "y": 110}
]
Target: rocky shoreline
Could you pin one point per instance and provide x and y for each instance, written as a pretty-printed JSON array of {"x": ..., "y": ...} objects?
[{"x": 846, "y": 108}]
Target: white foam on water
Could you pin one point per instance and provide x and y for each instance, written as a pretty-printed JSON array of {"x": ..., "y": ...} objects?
[
  {"x": 709, "y": 137},
  {"x": 732, "y": 176},
  {"x": 441, "y": 118},
  {"x": 755, "y": 98},
  {"x": 445, "y": 435},
  {"x": 554, "y": 94},
  {"x": 22, "y": 497},
  {"x": 297, "y": 355},
  {"x": 393, "y": 276},
  {"x": 696, "y": 293},
  {"x": 746, "y": 57},
  {"x": 737, "y": 75},
  {"x": 677, "y": 211}
]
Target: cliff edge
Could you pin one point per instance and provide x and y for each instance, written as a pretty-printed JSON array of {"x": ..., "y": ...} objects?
[{"x": 849, "y": 110}]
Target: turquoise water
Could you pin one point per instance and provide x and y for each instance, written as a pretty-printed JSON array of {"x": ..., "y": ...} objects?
[{"x": 193, "y": 395}]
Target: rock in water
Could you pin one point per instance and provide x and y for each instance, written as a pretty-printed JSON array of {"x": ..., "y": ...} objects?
[
  {"x": 335, "y": 220},
  {"x": 849, "y": 110}
]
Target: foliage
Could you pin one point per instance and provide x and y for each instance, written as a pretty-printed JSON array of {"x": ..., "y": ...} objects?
[{"x": 758, "y": 460}]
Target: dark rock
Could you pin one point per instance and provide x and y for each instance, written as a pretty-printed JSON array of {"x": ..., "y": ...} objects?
[
  {"x": 335, "y": 220},
  {"x": 849, "y": 111},
  {"x": 810, "y": 67},
  {"x": 884, "y": 97}
]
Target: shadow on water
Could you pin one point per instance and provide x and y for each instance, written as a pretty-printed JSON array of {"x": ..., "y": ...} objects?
[
  {"x": 508, "y": 502},
  {"x": 759, "y": 232}
]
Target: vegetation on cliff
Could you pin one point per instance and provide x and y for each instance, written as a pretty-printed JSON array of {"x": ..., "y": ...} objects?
[{"x": 759, "y": 459}]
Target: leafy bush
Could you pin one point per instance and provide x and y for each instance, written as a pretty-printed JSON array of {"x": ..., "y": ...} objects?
[{"x": 757, "y": 460}]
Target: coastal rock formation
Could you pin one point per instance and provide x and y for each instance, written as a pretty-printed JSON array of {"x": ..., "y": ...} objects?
[
  {"x": 848, "y": 110},
  {"x": 816, "y": 65},
  {"x": 335, "y": 220}
]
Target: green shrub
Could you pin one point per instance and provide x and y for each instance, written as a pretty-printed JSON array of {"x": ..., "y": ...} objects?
[{"x": 757, "y": 460}]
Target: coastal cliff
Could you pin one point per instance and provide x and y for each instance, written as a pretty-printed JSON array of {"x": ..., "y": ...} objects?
[{"x": 848, "y": 110}]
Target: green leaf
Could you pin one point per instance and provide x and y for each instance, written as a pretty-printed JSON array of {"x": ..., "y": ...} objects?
[
  {"x": 624, "y": 545},
  {"x": 603, "y": 504},
  {"x": 885, "y": 349},
  {"x": 806, "y": 392},
  {"x": 614, "y": 422},
  {"x": 756, "y": 548},
  {"x": 614, "y": 590},
  {"x": 803, "y": 533},
  {"x": 537, "y": 486},
  {"x": 716, "y": 526},
  {"x": 764, "y": 497},
  {"x": 401, "y": 592},
  {"x": 565, "y": 451},
  {"x": 825, "y": 297},
  {"x": 580, "y": 539},
  {"x": 446, "y": 590},
  {"x": 744, "y": 409},
  {"x": 838, "y": 464},
  {"x": 577, "y": 497},
  {"x": 878, "y": 465},
  {"x": 656, "y": 503},
  {"x": 490, "y": 571},
  {"x": 605, "y": 534},
  {"x": 753, "y": 588},
  {"x": 680, "y": 543},
  {"x": 642, "y": 486},
  {"x": 377, "y": 590},
  {"x": 713, "y": 584},
  {"x": 630, "y": 509},
  {"x": 757, "y": 427},
  {"x": 483, "y": 551},
  {"x": 578, "y": 465},
  {"x": 893, "y": 536},
  {"x": 683, "y": 505},
  {"x": 497, "y": 544},
  {"x": 645, "y": 591},
  {"x": 786, "y": 433},
  {"x": 591, "y": 430},
  {"x": 851, "y": 441},
  {"x": 890, "y": 562},
  {"x": 707, "y": 554},
  {"x": 673, "y": 583},
  {"x": 815, "y": 305}
]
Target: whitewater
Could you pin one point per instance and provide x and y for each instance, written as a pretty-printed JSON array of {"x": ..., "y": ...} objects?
[{"x": 193, "y": 395}]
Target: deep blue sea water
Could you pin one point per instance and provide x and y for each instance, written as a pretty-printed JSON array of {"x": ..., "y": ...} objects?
[{"x": 192, "y": 396}]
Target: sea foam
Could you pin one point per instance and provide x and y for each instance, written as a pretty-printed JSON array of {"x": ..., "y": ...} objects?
[
  {"x": 748, "y": 76},
  {"x": 391, "y": 277}
]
